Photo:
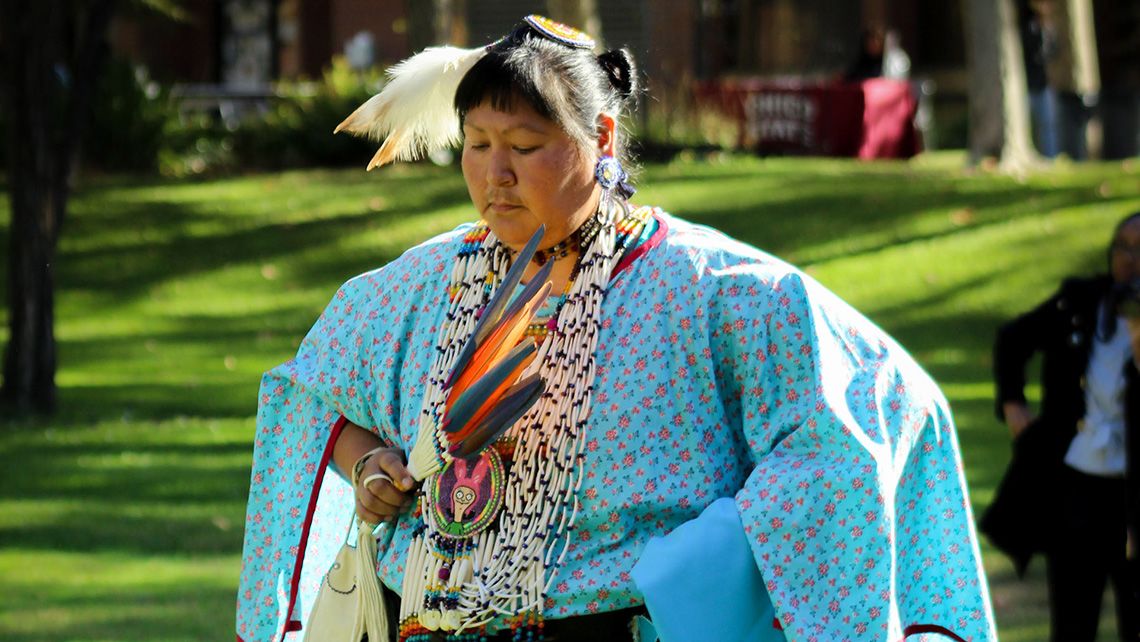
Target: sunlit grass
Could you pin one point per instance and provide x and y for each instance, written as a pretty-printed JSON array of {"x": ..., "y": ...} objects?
[
  {"x": 56, "y": 595},
  {"x": 121, "y": 518}
]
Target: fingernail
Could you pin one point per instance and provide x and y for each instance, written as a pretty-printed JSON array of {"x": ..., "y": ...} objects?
[{"x": 406, "y": 483}]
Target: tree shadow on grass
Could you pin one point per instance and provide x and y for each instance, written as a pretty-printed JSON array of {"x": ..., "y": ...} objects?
[
  {"x": 124, "y": 273},
  {"x": 346, "y": 177},
  {"x": 144, "y": 473},
  {"x": 121, "y": 247},
  {"x": 818, "y": 225},
  {"x": 251, "y": 333},
  {"x": 107, "y": 530},
  {"x": 139, "y": 402},
  {"x": 157, "y": 497},
  {"x": 182, "y": 613},
  {"x": 204, "y": 366}
]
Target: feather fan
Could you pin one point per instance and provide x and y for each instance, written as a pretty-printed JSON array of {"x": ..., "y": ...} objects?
[
  {"x": 415, "y": 113},
  {"x": 489, "y": 387}
]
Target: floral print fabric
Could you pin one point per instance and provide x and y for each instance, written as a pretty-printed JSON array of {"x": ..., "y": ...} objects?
[{"x": 722, "y": 372}]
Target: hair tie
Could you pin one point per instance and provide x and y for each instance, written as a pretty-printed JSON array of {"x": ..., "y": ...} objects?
[{"x": 618, "y": 70}]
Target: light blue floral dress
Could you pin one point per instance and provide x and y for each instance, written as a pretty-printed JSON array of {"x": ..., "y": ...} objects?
[{"x": 722, "y": 373}]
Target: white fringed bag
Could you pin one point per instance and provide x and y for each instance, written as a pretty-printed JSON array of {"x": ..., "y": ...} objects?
[{"x": 350, "y": 602}]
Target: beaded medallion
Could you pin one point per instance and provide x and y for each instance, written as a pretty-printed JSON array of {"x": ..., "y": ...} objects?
[{"x": 467, "y": 494}]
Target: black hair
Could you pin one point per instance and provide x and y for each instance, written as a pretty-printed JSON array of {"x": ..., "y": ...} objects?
[
  {"x": 1108, "y": 326},
  {"x": 568, "y": 85},
  {"x": 1116, "y": 232}
]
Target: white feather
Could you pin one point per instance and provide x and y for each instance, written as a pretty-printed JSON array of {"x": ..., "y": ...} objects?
[{"x": 415, "y": 113}]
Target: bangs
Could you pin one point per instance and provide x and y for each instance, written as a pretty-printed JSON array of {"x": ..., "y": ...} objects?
[{"x": 499, "y": 79}]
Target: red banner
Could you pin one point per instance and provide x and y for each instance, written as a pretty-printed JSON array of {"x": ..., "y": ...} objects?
[{"x": 869, "y": 119}]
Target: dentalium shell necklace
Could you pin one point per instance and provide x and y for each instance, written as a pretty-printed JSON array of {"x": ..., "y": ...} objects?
[{"x": 458, "y": 581}]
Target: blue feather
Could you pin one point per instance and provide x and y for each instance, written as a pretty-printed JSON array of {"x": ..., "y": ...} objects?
[
  {"x": 514, "y": 405},
  {"x": 469, "y": 402},
  {"x": 492, "y": 313}
]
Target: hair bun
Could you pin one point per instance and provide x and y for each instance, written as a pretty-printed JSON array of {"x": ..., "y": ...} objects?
[{"x": 619, "y": 68}]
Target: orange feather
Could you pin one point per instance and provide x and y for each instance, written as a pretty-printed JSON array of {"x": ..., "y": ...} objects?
[
  {"x": 492, "y": 400},
  {"x": 497, "y": 345}
]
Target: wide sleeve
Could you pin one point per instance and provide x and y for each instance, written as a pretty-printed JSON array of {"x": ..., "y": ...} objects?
[
  {"x": 363, "y": 361},
  {"x": 296, "y": 511},
  {"x": 340, "y": 360},
  {"x": 856, "y": 509}
]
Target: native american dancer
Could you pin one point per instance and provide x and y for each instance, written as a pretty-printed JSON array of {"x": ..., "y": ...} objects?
[{"x": 718, "y": 447}]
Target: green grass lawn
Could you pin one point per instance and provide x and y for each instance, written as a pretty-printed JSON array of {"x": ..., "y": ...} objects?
[{"x": 121, "y": 518}]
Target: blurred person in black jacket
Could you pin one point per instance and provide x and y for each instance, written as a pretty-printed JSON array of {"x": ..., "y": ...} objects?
[{"x": 1070, "y": 491}]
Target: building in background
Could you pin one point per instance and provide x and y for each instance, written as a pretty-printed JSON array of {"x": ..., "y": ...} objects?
[
  {"x": 241, "y": 46},
  {"x": 241, "y": 43}
]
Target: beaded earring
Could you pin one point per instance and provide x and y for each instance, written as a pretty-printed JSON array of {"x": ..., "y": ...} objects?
[{"x": 612, "y": 176}]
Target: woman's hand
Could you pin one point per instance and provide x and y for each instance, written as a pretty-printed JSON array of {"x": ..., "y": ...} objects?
[
  {"x": 377, "y": 499},
  {"x": 1017, "y": 416},
  {"x": 382, "y": 499}
]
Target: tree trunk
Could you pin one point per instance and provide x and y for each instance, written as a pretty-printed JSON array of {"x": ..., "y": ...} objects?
[
  {"x": 30, "y": 359},
  {"x": 983, "y": 55},
  {"x": 436, "y": 22},
  {"x": 1082, "y": 39},
  {"x": 450, "y": 22},
  {"x": 52, "y": 53},
  {"x": 999, "y": 109},
  {"x": 1017, "y": 153},
  {"x": 580, "y": 14},
  {"x": 1082, "y": 35}
]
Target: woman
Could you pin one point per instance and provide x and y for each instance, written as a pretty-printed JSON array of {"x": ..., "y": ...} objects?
[
  {"x": 685, "y": 371},
  {"x": 1070, "y": 491}
]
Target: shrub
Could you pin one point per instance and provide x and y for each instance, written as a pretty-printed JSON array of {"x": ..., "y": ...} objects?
[
  {"x": 296, "y": 130},
  {"x": 130, "y": 117},
  {"x": 136, "y": 126},
  {"x": 197, "y": 145}
]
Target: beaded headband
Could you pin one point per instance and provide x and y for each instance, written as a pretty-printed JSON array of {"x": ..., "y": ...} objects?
[
  {"x": 559, "y": 32},
  {"x": 414, "y": 113}
]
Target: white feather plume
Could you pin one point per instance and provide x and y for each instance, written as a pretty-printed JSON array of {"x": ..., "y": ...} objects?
[{"x": 415, "y": 113}]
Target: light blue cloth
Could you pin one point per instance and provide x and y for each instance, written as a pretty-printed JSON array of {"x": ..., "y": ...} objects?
[{"x": 700, "y": 582}]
